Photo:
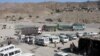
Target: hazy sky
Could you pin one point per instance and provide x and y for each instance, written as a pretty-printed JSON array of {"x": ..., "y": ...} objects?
[{"x": 42, "y": 0}]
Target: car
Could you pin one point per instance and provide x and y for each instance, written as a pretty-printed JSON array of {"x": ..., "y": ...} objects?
[
  {"x": 79, "y": 34},
  {"x": 73, "y": 36},
  {"x": 90, "y": 33},
  {"x": 27, "y": 54},
  {"x": 70, "y": 38},
  {"x": 63, "y": 38},
  {"x": 86, "y": 34},
  {"x": 94, "y": 33},
  {"x": 61, "y": 54}
]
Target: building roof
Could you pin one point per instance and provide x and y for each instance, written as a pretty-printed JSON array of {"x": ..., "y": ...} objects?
[{"x": 78, "y": 24}]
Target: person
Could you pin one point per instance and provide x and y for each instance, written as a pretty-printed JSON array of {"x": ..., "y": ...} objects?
[
  {"x": 1, "y": 45},
  {"x": 62, "y": 43},
  {"x": 59, "y": 48},
  {"x": 55, "y": 44},
  {"x": 9, "y": 42},
  {"x": 71, "y": 48}
]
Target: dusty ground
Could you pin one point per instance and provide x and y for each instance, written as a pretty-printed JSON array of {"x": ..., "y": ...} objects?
[
  {"x": 44, "y": 51},
  {"x": 50, "y": 50}
]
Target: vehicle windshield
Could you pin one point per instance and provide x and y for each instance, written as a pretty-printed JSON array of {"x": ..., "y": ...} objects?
[
  {"x": 64, "y": 36},
  {"x": 73, "y": 35},
  {"x": 55, "y": 38}
]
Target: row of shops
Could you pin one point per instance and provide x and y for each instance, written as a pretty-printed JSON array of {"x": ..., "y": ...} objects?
[
  {"x": 33, "y": 28},
  {"x": 63, "y": 27}
]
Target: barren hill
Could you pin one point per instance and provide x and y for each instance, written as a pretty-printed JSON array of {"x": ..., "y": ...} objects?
[{"x": 86, "y": 12}]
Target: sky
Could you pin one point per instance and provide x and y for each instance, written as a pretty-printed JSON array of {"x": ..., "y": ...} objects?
[{"x": 22, "y": 1}]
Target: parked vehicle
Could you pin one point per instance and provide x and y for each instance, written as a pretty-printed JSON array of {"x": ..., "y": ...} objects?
[
  {"x": 94, "y": 33},
  {"x": 86, "y": 34},
  {"x": 61, "y": 54},
  {"x": 42, "y": 40},
  {"x": 72, "y": 36},
  {"x": 54, "y": 38},
  {"x": 27, "y": 54},
  {"x": 11, "y": 52},
  {"x": 79, "y": 34},
  {"x": 63, "y": 38},
  {"x": 11, "y": 46},
  {"x": 90, "y": 33}
]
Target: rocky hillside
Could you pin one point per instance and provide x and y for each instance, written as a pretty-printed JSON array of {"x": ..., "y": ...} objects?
[{"x": 86, "y": 12}]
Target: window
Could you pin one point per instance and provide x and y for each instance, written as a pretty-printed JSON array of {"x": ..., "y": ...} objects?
[
  {"x": 55, "y": 38},
  {"x": 12, "y": 53},
  {"x": 40, "y": 39},
  {"x": 17, "y": 52},
  {"x": 11, "y": 47}
]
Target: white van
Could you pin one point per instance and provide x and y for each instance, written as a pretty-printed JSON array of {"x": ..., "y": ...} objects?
[
  {"x": 27, "y": 54},
  {"x": 11, "y": 46},
  {"x": 11, "y": 52},
  {"x": 42, "y": 40},
  {"x": 54, "y": 38}
]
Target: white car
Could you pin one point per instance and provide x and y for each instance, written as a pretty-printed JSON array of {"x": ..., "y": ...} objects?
[
  {"x": 90, "y": 33},
  {"x": 27, "y": 54},
  {"x": 79, "y": 34},
  {"x": 64, "y": 38},
  {"x": 94, "y": 33},
  {"x": 61, "y": 54}
]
